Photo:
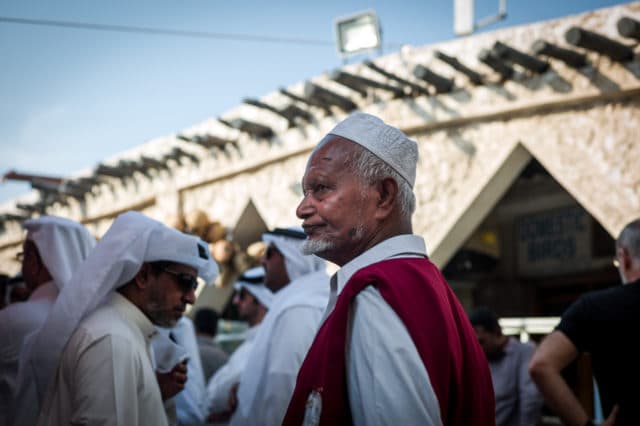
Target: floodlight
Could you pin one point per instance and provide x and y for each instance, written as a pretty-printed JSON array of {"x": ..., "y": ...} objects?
[
  {"x": 358, "y": 33},
  {"x": 463, "y": 17},
  {"x": 463, "y": 23}
]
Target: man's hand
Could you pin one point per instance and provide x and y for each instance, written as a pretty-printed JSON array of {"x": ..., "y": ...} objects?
[
  {"x": 233, "y": 397},
  {"x": 172, "y": 383}
]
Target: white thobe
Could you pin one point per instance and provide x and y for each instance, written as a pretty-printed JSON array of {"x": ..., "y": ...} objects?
[
  {"x": 105, "y": 375},
  {"x": 223, "y": 380},
  {"x": 17, "y": 321},
  {"x": 386, "y": 378},
  {"x": 287, "y": 331}
]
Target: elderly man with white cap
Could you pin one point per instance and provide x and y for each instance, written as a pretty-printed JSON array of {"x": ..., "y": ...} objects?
[
  {"x": 99, "y": 370},
  {"x": 396, "y": 347},
  {"x": 252, "y": 300},
  {"x": 53, "y": 250},
  {"x": 302, "y": 292}
]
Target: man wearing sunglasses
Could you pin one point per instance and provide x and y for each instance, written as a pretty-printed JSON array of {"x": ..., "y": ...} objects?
[
  {"x": 301, "y": 288},
  {"x": 141, "y": 274},
  {"x": 252, "y": 299},
  {"x": 53, "y": 249}
]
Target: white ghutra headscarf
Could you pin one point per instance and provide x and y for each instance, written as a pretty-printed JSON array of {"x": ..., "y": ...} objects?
[
  {"x": 253, "y": 281},
  {"x": 63, "y": 244},
  {"x": 132, "y": 240}
]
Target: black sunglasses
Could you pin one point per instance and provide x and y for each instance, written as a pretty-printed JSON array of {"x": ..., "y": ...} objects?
[{"x": 185, "y": 281}]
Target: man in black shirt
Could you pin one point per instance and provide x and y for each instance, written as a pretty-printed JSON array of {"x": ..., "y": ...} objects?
[{"x": 604, "y": 323}]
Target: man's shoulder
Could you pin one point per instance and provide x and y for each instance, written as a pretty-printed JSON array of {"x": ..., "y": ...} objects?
[
  {"x": 416, "y": 276},
  {"x": 519, "y": 348},
  {"x": 104, "y": 321},
  {"x": 390, "y": 268},
  {"x": 399, "y": 262},
  {"x": 25, "y": 316},
  {"x": 310, "y": 291},
  {"x": 97, "y": 347},
  {"x": 608, "y": 300},
  {"x": 102, "y": 332},
  {"x": 316, "y": 277},
  {"x": 611, "y": 293}
]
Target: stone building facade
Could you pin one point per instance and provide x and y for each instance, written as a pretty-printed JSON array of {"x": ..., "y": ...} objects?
[{"x": 496, "y": 156}]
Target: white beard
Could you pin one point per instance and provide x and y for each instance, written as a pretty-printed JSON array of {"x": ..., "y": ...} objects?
[
  {"x": 322, "y": 246},
  {"x": 316, "y": 247}
]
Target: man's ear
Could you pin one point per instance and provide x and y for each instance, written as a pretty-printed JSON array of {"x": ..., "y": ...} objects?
[
  {"x": 625, "y": 259},
  {"x": 142, "y": 277},
  {"x": 387, "y": 190}
]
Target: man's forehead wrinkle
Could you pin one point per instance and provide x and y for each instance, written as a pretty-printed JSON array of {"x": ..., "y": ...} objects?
[
  {"x": 336, "y": 154},
  {"x": 320, "y": 170},
  {"x": 341, "y": 153}
]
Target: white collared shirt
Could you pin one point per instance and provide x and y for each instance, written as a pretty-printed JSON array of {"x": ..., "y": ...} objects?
[{"x": 387, "y": 380}]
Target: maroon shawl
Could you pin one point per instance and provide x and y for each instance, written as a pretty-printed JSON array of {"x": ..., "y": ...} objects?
[{"x": 416, "y": 290}]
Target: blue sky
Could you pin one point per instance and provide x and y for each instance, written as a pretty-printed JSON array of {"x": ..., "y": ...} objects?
[{"x": 72, "y": 97}]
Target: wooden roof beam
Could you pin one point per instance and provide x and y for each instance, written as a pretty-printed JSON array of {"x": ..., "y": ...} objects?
[{"x": 599, "y": 43}]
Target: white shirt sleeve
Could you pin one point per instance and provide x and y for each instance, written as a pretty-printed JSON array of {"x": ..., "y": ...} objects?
[
  {"x": 292, "y": 336},
  {"x": 387, "y": 381}
]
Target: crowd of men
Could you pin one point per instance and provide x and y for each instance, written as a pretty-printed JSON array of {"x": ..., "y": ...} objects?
[{"x": 103, "y": 340}]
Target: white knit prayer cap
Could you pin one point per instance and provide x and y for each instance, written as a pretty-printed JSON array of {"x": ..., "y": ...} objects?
[
  {"x": 132, "y": 239},
  {"x": 385, "y": 142},
  {"x": 252, "y": 280},
  {"x": 63, "y": 244},
  {"x": 289, "y": 242}
]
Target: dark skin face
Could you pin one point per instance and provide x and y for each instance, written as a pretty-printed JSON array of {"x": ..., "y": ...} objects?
[
  {"x": 34, "y": 272},
  {"x": 159, "y": 295},
  {"x": 342, "y": 214},
  {"x": 275, "y": 271},
  {"x": 249, "y": 308},
  {"x": 492, "y": 343}
]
